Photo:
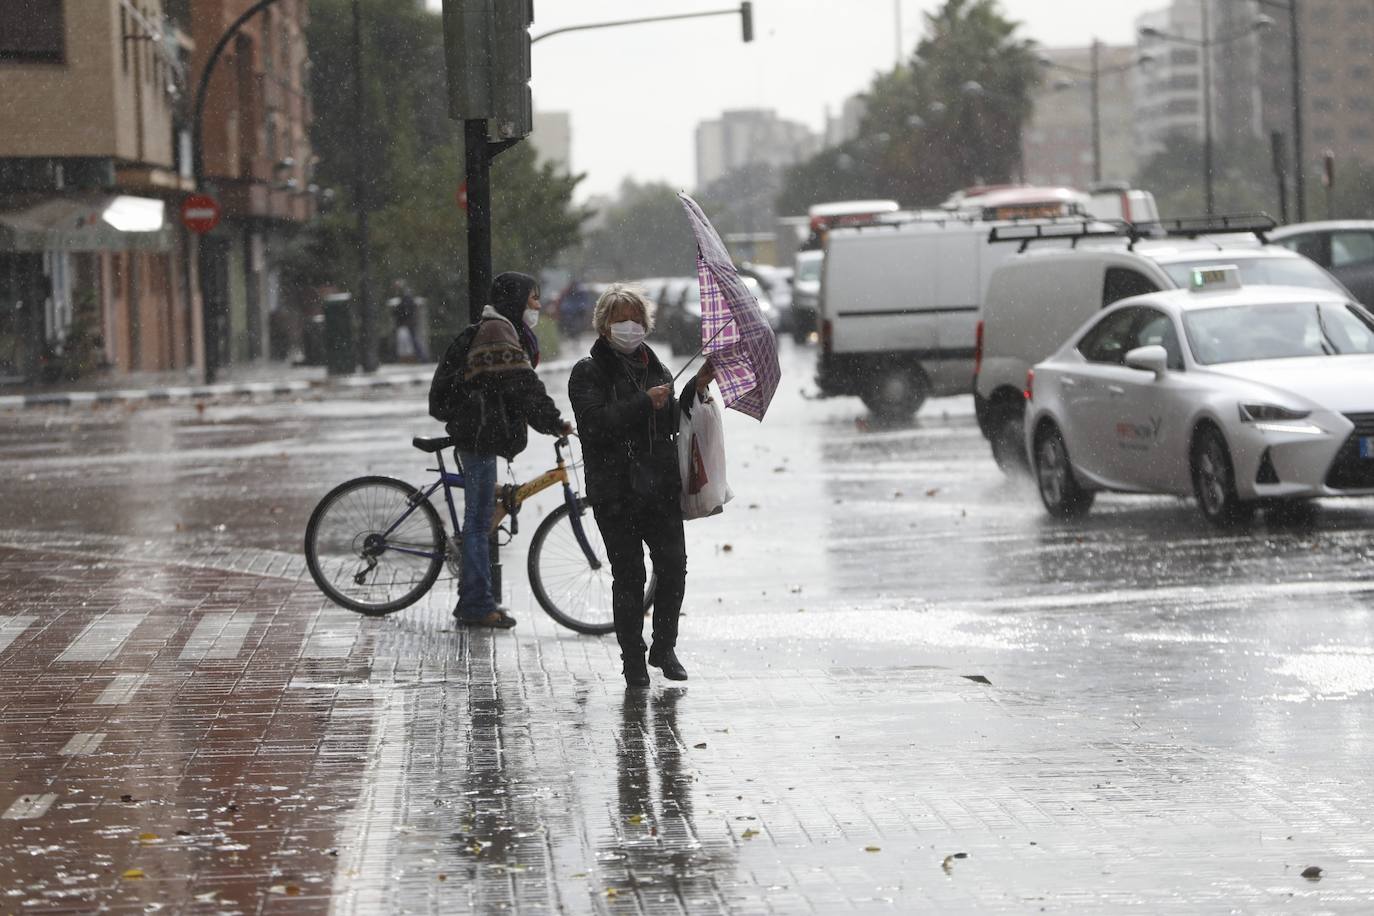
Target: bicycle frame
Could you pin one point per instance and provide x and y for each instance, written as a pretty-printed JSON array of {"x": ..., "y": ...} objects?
[{"x": 449, "y": 480}]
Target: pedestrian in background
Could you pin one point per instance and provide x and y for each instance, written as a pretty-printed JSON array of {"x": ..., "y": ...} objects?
[
  {"x": 406, "y": 314},
  {"x": 622, "y": 398},
  {"x": 486, "y": 390}
]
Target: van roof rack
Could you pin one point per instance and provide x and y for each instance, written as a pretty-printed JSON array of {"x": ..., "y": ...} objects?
[
  {"x": 1192, "y": 226},
  {"x": 1071, "y": 229}
]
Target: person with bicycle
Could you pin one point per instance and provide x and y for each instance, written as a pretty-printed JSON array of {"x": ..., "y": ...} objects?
[
  {"x": 622, "y": 398},
  {"x": 486, "y": 390}
]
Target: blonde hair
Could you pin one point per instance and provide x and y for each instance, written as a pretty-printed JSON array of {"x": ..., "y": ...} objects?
[{"x": 618, "y": 294}]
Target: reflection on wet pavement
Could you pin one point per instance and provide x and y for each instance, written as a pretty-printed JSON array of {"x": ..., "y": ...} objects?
[{"x": 896, "y": 658}]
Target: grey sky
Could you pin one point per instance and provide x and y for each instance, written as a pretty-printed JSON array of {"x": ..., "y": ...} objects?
[{"x": 636, "y": 93}]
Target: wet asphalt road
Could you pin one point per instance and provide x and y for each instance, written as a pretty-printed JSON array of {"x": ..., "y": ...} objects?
[{"x": 895, "y": 655}]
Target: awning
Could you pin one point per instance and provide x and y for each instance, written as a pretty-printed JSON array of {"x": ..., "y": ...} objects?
[{"x": 86, "y": 222}]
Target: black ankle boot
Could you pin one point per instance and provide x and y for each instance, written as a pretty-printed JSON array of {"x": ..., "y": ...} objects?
[
  {"x": 636, "y": 673},
  {"x": 666, "y": 660}
]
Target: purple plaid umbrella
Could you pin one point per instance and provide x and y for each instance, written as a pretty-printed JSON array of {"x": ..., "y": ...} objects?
[{"x": 737, "y": 337}]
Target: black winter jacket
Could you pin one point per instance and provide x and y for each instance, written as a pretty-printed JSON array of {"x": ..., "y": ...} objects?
[{"x": 626, "y": 444}]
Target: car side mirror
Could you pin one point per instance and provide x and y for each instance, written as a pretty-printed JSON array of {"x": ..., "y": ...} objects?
[{"x": 1153, "y": 358}]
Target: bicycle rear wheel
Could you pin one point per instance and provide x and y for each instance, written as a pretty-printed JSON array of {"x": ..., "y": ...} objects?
[
  {"x": 359, "y": 561},
  {"x": 565, "y": 583}
]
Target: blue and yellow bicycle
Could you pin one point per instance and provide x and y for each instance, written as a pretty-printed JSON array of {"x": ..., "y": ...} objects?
[{"x": 376, "y": 544}]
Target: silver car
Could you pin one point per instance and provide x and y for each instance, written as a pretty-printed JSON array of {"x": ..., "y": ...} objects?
[{"x": 1232, "y": 394}]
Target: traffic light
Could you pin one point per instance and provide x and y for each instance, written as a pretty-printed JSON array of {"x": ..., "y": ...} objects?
[
  {"x": 512, "y": 110},
  {"x": 746, "y": 16},
  {"x": 487, "y": 53},
  {"x": 467, "y": 57}
]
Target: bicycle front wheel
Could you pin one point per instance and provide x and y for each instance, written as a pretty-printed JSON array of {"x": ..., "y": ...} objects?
[
  {"x": 374, "y": 545},
  {"x": 566, "y": 584}
]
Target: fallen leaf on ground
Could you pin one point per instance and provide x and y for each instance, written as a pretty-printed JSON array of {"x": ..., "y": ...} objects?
[
  {"x": 749, "y": 833},
  {"x": 146, "y": 838},
  {"x": 133, "y": 873},
  {"x": 873, "y": 849},
  {"x": 701, "y": 746},
  {"x": 636, "y": 818},
  {"x": 1312, "y": 872}
]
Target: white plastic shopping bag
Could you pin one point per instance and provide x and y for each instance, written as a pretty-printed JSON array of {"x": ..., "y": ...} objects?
[{"x": 701, "y": 460}]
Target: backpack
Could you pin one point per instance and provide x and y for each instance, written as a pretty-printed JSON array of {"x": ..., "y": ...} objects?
[{"x": 447, "y": 391}]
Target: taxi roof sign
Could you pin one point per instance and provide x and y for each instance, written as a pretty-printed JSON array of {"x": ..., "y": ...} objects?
[{"x": 1214, "y": 277}]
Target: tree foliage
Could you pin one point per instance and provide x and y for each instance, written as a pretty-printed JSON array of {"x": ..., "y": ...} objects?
[
  {"x": 643, "y": 233},
  {"x": 1244, "y": 182},
  {"x": 411, "y": 154},
  {"x": 947, "y": 118}
]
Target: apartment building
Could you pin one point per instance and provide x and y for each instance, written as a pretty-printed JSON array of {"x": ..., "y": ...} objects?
[
  {"x": 92, "y": 262},
  {"x": 96, "y": 272},
  {"x": 1336, "y": 54},
  {"x": 749, "y": 137},
  {"x": 258, "y": 165}
]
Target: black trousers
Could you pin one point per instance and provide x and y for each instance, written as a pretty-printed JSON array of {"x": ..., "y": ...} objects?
[{"x": 626, "y": 527}]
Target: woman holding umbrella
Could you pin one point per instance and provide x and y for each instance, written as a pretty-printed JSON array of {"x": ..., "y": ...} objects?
[{"x": 622, "y": 397}]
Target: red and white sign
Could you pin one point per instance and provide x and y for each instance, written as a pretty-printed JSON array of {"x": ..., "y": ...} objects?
[{"x": 200, "y": 213}]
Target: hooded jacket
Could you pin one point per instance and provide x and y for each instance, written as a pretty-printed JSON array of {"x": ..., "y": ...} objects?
[{"x": 628, "y": 447}]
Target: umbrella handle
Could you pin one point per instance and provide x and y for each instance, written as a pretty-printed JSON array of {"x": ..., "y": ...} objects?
[{"x": 689, "y": 362}]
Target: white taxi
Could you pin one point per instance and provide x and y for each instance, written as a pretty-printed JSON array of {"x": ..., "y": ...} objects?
[{"x": 1233, "y": 395}]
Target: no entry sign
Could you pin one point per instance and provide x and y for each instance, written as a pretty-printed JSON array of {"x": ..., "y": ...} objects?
[{"x": 200, "y": 213}]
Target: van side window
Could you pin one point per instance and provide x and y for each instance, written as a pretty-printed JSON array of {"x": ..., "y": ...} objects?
[{"x": 1122, "y": 282}]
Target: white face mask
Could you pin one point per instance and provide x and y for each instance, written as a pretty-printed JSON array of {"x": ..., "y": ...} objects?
[
  {"x": 531, "y": 318},
  {"x": 626, "y": 336}
]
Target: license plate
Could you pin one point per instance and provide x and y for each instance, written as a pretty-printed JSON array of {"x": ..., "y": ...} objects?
[{"x": 1367, "y": 446}]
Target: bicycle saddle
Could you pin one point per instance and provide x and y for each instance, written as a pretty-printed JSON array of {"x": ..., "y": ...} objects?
[{"x": 431, "y": 444}]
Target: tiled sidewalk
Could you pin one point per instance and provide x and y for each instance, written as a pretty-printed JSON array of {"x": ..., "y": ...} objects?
[{"x": 182, "y": 737}]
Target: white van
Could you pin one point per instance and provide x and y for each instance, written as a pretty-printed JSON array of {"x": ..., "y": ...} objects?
[
  {"x": 897, "y": 310},
  {"x": 1036, "y": 299}
]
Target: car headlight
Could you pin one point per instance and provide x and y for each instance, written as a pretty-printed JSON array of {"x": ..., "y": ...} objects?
[{"x": 1269, "y": 413}]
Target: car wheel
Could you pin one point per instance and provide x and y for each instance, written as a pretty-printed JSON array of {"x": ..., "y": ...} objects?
[
  {"x": 1007, "y": 437},
  {"x": 1214, "y": 480},
  {"x": 1060, "y": 491},
  {"x": 896, "y": 395}
]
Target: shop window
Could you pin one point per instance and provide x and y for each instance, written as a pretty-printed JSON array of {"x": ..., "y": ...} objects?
[{"x": 31, "y": 31}]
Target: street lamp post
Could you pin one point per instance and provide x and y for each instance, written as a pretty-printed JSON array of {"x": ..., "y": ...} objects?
[
  {"x": 1205, "y": 44},
  {"x": 1295, "y": 63},
  {"x": 1094, "y": 75}
]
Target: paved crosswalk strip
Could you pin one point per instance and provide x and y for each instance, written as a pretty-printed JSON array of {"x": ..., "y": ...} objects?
[
  {"x": 218, "y": 635},
  {"x": 121, "y": 690},
  {"x": 28, "y": 807},
  {"x": 102, "y": 639},
  {"x": 331, "y": 641},
  {"x": 11, "y": 627},
  {"x": 82, "y": 743}
]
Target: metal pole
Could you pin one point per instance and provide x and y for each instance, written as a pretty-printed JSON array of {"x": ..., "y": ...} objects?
[
  {"x": 204, "y": 262},
  {"x": 605, "y": 25},
  {"x": 1299, "y": 163},
  {"x": 367, "y": 312},
  {"x": 1097, "y": 113},
  {"x": 1207, "y": 106},
  {"x": 1276, "y": 152},
  {"x": 477, "y": 157}
]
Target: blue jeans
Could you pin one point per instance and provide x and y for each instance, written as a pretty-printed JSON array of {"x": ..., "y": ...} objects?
[{"x": 475, "y": 599}]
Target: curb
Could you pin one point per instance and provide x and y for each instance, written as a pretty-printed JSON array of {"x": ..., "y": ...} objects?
[{"x": 246, "y": 389}]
